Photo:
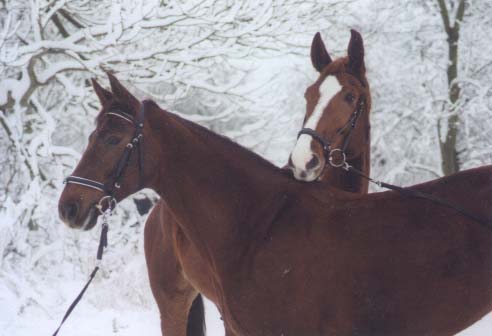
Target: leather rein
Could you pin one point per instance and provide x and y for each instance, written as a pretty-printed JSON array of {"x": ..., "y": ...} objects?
[{"x": 342, "y": 163}]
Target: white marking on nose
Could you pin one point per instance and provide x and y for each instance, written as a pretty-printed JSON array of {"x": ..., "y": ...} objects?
[
  {"x": 88, "y": 219},
  {"x": 302, "y": 153}
]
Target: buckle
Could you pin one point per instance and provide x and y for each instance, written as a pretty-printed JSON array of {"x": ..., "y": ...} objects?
[
  {"x": 342, "y": 160},
  {"x": 111, "y": 204}
]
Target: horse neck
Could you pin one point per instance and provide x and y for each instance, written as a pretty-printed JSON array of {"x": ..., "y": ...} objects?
[
  {"x": 348, "y": 181},
  {"x": 213, "y": 186}
]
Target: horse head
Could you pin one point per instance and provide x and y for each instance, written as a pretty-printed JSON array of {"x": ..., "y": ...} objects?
[
  {"x": 112, "y": 166},
  {"x": 337, "y": 107}
]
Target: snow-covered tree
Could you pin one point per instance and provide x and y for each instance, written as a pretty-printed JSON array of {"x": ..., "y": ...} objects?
[
  {"x": 413, "y": 110},
  {"x": 188, "y": 55}
]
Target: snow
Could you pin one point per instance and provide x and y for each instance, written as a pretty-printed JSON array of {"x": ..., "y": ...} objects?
[
  {"x": 117, "y": 302},
  {"x": 36, "y": 308}
]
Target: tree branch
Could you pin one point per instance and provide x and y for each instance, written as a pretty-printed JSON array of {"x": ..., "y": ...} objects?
[
  {"x": 444, "y": 16},
  {"x": 59, "y": 25},
  {"x": 14, "y": 143},
  {"x": 459, "y": 15},
  {"x": 71, "y": 19}
]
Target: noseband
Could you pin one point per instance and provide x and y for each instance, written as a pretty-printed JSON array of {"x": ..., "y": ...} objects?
[
  {"x": 328, "y": 152},
  {"x": 110, "y": 188}
]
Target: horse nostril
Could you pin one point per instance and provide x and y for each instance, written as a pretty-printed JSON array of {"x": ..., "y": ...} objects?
[
  {"x": 313, "y": 163},
  {"x": 69, "y": 211}
]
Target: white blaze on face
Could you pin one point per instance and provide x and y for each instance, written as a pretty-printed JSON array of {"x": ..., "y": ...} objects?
[{"x": 302, "y": 152}]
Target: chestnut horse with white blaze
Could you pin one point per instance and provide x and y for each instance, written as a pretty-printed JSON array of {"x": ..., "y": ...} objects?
[
  {"x": 337, "y": 116},
  {"x": 284, "y": 257}
]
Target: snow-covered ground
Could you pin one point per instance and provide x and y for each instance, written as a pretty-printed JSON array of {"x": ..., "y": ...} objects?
[
  {"x": 40, "y": 314},
  {"x": 87, "y": 319},
  {"x": 481, "y": 328},
  {"x": 31, "y": 305}
]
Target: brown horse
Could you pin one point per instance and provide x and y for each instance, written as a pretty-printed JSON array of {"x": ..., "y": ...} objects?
[
  {"x": 292, "y": 258},
  {"x": 338, "y": 106},
  {"x": 173, "y": 291}
]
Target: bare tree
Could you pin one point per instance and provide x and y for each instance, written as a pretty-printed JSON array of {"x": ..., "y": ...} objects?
[{"x": 452, "y": 18}]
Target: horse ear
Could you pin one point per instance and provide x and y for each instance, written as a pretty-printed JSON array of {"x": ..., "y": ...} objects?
[
  {"x": 103, "y": 94},
  {"x": 319, "y": 56},
  {"x": 121, "y": 94},
  {"x": 356, "y": 54}
]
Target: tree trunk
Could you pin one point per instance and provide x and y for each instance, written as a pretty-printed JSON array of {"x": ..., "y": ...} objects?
[{"x": 449, "y": 155}]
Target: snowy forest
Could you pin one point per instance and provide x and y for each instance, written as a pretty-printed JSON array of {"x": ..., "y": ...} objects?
[{"x": 240, "y": 68}]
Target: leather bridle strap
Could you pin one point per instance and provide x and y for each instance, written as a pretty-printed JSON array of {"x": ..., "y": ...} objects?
[
  {"x": 353, "y": 122},
  {"x": 87, "y": 183},
  {"x": 136, "y": 142},
  {"x": 326, "y": 144}
]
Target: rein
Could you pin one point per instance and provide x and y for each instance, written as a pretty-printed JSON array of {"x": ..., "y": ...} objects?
[
  {"x": 342, "y": 163},
  {"x": 103, "y": 242},
  {"x": 418, "y": 194},
  {"x": 109, "y": 194}
]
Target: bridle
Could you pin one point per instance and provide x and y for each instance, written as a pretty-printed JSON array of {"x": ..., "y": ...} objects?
[
  {"x": 109, "y": 189},
  {"x": 328, "y": 151}
]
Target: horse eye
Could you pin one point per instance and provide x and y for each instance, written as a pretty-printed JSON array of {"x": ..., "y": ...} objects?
[
  {"x": 349, "y": 98},
  {"x": 112, "y": 140}
]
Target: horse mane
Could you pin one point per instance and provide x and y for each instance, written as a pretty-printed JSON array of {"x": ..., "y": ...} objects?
[
  {"x": 224, "y": 141},
  {"x": 318, "y": 189}
]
